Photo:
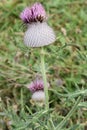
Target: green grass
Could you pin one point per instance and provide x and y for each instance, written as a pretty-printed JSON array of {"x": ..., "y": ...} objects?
[{"x": 66, "y": 59}]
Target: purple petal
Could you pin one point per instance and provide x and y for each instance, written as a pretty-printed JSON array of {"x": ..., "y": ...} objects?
[
  {"x": 36, "y": 85},
  {"x": 33, "y": 14}
]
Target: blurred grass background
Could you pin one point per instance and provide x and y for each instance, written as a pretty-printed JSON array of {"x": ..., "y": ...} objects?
[{"x": 66, "y": 63}]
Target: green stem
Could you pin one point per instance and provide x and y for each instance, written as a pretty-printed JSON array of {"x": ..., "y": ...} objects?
[{"x": 44, "y": 79}]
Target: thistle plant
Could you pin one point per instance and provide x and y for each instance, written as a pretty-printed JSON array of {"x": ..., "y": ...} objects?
[
  {"x": 38, "y": 34},
  {"x": 37, "y": 89}
]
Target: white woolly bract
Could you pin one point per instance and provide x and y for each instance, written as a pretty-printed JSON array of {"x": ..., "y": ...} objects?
[
  {"x": 39, "y": 34},
  {"x": 38, "y": 96}
]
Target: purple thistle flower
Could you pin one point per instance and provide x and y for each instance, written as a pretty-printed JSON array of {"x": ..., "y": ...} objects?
[
  {"x": 37, "y": 88},
  {"x": 33, "y": 14},
  {"x": 36, "y": 85},
  {"x": 38, "y": 33}
]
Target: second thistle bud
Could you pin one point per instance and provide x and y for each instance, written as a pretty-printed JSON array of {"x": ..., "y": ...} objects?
[{"x": 37, "y": 89}]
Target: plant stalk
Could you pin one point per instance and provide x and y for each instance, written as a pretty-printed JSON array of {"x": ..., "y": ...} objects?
[{"x": 43, "y": 70}]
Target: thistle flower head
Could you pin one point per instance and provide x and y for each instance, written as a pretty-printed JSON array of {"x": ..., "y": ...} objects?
[
  {"x": 36, "y": 85},
  {"x": 38, "y": 33},
  {"x": 34, "y": 13},
  {"x": 37, "y": 89}
]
